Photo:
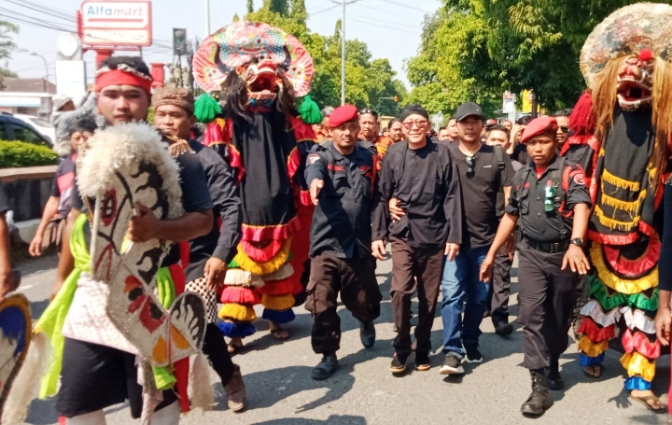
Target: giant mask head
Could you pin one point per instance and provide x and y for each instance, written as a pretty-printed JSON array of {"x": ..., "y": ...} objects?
[{"x": 635, "y": 81}]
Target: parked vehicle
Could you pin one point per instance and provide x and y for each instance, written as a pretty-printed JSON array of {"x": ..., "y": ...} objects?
[
  {"x": 13, "y": 128},
  {"x": 42, "y": 126}
]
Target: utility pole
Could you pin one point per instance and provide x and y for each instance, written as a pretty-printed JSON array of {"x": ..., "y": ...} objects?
[
  {"x": 343, "y": 3},
  {"x": 207, "y": 18}
]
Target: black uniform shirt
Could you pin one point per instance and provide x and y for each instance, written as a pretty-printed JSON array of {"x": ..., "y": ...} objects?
[
  {"x": 342, "y": 219},
  {"x": 195, "y": 195},
  {"x": 426, "y": 183},
  {"x": 479, "y": 193},
  {"x": 535, "y": 222},
  {"x": 222, "y": 240},
  {"x": 4, "y": 202}
]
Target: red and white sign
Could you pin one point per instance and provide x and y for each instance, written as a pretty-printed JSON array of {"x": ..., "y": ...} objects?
[{"x": 116, "y": 23}]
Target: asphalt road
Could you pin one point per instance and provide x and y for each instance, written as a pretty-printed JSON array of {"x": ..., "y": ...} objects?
[{"x": 364, "y": 392}]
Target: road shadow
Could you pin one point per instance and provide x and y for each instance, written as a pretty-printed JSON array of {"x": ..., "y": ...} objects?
[{"x": 332, "y": 420}]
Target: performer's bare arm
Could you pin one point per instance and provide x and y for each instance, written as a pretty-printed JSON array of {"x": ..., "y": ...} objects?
[
  {"x": 663, "y": 317},
  {"x": 145, "y": 226},
  {"x": 66, "y": 262},
  {"x": 6, "y": 284}
]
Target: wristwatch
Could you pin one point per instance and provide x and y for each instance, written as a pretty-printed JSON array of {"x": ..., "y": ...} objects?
[{"x": 576, "y": 241}]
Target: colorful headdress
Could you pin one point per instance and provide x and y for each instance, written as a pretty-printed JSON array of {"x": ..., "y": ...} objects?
[
  {"x": 629, "y": 30},
  {"x": 240, "y": 42}
]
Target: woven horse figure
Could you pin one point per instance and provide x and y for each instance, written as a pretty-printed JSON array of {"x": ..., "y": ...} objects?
[
  {"x": 257, "y": 71},
  {"x": 622, "y": 131}
]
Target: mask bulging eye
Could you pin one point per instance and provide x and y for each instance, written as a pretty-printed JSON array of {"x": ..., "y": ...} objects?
[{"x": 108, "y": 208}]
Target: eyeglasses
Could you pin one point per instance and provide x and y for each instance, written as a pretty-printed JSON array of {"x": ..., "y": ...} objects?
[
  {"x": 564, "y": 129},
  {"x": 471, "y": 167},
  {"x": 409, "y": 124}
]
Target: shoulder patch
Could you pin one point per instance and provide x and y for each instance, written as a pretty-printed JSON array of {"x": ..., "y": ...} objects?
[
  {"x": 579, "y": 179},
  {"x": 313, "y": 158}
]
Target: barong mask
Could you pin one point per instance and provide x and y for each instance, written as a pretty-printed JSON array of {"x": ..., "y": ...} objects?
[
  {"x": 121, "y": 166},
  {"x": 635, "y": 81}
]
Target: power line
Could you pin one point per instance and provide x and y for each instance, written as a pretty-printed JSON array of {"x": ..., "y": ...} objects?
[{"x": 405, "y": 6}]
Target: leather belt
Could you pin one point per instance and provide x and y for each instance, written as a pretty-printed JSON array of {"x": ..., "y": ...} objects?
[{"x": 548, "y": 247}]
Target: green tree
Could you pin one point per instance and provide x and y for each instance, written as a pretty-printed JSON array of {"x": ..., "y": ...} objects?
[{"x": 6, "y": 48}]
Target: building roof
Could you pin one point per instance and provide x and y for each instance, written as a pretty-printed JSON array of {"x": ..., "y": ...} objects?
[{"x": 28, "y": 85}]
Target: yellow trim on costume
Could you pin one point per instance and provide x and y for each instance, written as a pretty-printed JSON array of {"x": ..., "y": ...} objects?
[
  {"x": 278, "y": 302},
  {"x": 638, "y": 365},
  {"x": 628, "y": 206},
  {"x": 272, "y": 265},
  {"x": 592, "y": 349},
  {"x": 620, "y": 182},
  {"x": 623, "y": 226},
  {"x": 238, "y": 312},
  {"x": 614, "y": 282}
]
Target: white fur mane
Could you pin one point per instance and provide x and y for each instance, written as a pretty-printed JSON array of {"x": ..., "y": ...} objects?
[{"x": 119, "y": 146}]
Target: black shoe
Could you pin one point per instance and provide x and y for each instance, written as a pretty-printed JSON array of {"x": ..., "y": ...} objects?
[
  {"x": 422, "y": 362},
  {"x": 452, "y": 365},
  {"x": 503, "y": 328},
  {"x": 539, "y": 401},
  {"x": 367, "y": 334},
  {"x": 325, "y": 368},
  {"x": 473, "y": 355},
  {"x": 555, "y": 381},
  {"x": 398, "y": 365}
]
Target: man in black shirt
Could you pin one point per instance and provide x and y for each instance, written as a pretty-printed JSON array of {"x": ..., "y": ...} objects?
[
  {"x": 209, "y": 255},
  {"x": 419, "y": 185},
  {"x": 481, "y": 179},
  {"x": 95, "y": 376},
  {"x": 551, "y": 204},
  {"x": 342, "y": 179}
]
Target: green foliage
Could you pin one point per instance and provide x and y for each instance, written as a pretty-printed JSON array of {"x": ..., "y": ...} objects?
[
  {"x": 6, "y": 47},
  {"x": 477, "y": 49},
  {"x": 22, "y": 154},
  {"x": 369, "y": 83}
]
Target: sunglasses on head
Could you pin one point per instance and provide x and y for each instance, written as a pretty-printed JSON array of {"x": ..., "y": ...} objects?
[
  {"x": 471, "y": 167},
  {"x": 368, "y": 111}
]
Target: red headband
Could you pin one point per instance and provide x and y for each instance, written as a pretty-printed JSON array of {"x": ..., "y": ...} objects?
[{"x": 116, "y": 77}]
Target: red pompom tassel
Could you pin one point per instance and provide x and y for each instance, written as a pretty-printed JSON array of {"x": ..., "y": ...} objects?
[{"x": 238, "y": 295}]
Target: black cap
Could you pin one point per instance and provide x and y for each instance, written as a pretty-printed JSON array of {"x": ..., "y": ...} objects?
[{"x": 468, "y": 109}]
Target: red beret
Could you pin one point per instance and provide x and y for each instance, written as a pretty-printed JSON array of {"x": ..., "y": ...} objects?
[
  {"x": 342, "y": 114},
  {"x": 539, "y": 126}
]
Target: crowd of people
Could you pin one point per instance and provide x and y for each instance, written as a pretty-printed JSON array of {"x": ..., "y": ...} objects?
[{"x": 453, "y": 207}]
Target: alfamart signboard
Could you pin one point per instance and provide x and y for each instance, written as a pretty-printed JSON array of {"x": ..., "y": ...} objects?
[{"x": 116, "y": 23}]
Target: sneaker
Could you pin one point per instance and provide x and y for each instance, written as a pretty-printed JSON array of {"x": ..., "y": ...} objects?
[
  {"x": 473, "y": 355},
  {"x": 452, "y": 365},
  {"x": 422, "y": 362},
  {"x": 398, "y": 365},
  {"x": 503, "y": 328},
  {"x": 367, "y": 334},
  {"x": 325, "y": 368}
]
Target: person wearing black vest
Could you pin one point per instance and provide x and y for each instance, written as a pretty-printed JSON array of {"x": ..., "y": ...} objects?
[
  {"x": 420, "y": 212},
  {"x": 551, "y": 204},
  {"x": 342, "y": 180}
]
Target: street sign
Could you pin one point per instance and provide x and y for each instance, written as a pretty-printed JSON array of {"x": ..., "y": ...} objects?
[
  {"x": 116, "y": 23},
  {"x": 509, "y": 103}
]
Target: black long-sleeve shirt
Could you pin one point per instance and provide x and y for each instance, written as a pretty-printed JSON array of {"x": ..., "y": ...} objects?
[
  {"x": 665, "y": 263},
  {"x": 426, "y": 183},
  {"x": 342, "y": 220},
  {"x": 223, "y": 239}
]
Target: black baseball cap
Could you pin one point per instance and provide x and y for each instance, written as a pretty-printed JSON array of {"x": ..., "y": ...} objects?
[{"x": 468, "y": 109}]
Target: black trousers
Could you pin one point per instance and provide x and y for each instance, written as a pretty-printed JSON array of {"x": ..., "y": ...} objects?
[
  {"x": 420, "y": 270},
  {"x": 500, "y": 290},
  {"x": 215, "y": 348},
  {"x": 355, "y": 279},
  {"x": 545, "y": 301}
]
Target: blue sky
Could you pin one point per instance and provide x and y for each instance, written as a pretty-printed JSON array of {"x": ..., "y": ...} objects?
[{"x": 391, "y": 28}]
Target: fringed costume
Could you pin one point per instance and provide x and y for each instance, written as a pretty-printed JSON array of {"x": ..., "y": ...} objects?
[
  {"x": 621, "y": 134},
  {"x": 257, "y": 72}
]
